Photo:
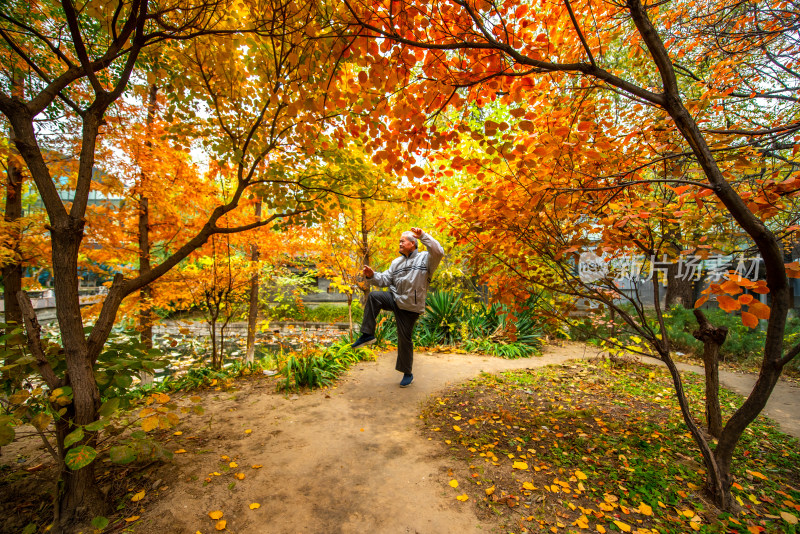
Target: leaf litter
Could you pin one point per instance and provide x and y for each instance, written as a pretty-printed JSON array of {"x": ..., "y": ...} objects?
[{"x": 588, "y": 446}]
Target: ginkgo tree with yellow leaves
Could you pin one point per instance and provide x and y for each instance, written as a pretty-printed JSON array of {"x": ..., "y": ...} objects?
[{"x": 606, "y": 98}]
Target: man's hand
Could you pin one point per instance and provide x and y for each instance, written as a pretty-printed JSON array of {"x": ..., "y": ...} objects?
[
  {"x": 417, "y": 232},
  {"x": 368, "y": 272}
]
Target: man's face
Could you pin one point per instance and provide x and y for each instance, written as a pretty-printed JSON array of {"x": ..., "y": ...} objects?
[{"x": 406, "y": 246}]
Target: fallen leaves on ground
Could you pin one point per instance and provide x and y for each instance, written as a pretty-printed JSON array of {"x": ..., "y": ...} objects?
[{"x": 590, "y": 447}]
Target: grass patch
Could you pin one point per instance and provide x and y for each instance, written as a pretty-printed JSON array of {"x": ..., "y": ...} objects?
[{"x": 587, "y": 446}]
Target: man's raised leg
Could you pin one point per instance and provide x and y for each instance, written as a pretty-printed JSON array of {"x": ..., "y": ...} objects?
[{"x": 376, "y": 301}]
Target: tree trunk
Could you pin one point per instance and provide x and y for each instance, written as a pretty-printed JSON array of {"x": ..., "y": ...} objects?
[
  {"x": 350, "y": 311},
  {"x": 12, "y": 272},
  {"x": 252, "y": 312},
  {"x": 712, "y": 338},
  {"x": 679, "y": 290},
  {"x": 79, "y": 499},
  {"x": 146, "y": 293},
  {"x": 365, "y": 251}
]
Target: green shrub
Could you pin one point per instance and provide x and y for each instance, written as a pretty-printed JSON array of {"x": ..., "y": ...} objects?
[
  {"x": 742, "y": 344},
  {"x": 320, "y": 367},
  {"x": 509, "y": 351},
  {"x": 442, "y": 315}
]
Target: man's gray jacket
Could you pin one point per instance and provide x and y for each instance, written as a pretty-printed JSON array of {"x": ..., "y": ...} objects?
[{"x": 408, "y": 277}]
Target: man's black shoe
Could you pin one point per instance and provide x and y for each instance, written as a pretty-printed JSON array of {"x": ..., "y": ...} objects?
[
  {"x": 406, "y": 381},
  {"x": 365, "y": 339}
]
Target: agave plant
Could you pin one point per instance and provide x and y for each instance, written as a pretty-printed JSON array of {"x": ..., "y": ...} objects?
[{"x": 442, "y": 315}]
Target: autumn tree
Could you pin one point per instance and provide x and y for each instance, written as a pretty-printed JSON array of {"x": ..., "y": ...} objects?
[
  {"x": 80, "y": 62},
  {"x": 641, "y": 70}
]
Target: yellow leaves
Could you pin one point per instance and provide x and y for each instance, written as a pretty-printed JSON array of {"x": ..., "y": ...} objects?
[
  {"x": 789, "y": 518},
  {"x": 256, "y": 466},
  {"x": 221, "y": 525},
  {"x": 254, "y": 506},
  {"x": 528, "y": 486},
  {"x": 457, "y": 428},
  {"x": 131, "y": 519},
  {"x": 624, "y": 527},
  {"x": 453, "y": 483},
  {"x": 463, "y": 497},
  {"x": 239, "y": 476},
  {"x": 160, "y": 398},
  {"x": 248, "y": 431},
  {"x": 150, "y": 423},
  {"x": 489, "y": 491},
  {"x": 180, "y": 451},
  {"x": 580, "y": 476},
  {"x": 138, "y": 496},
  {"x": 216, "y": 514},
  {"x": 520, "y": 465},
  {"x": 645, "y": 509},
  {"x": 233, "y": 465},
  {"x": 581, "y": 522}
]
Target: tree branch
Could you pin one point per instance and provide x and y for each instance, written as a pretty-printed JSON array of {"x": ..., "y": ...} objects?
[{"x": 34, "y": 334}]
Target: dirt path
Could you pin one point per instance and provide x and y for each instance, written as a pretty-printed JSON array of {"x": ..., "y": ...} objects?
[{"x": 346, "y": 460}]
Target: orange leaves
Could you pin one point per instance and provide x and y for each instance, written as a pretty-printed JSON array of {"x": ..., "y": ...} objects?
[
  {"x": 730, "y": 287},
  {"x": 760, "y": 310},
  {"x": 749, "y": 320},
  {"x": 727, "y": 303}
]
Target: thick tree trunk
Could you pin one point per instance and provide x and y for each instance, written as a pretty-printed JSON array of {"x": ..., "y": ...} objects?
[
  {"x": 252, "y": 312},
  {"x": 79, "y": 499},
  {"x": 712, "y": 338}
]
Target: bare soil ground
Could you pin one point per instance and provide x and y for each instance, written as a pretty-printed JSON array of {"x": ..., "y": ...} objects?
[{"x": 350, "y": 459}]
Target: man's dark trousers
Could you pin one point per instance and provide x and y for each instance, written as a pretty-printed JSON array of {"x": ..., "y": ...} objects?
[{"x": 384, "y": 300}]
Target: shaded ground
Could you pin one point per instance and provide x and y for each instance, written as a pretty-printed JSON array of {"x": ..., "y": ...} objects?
[{"x": 350, "y": 459}]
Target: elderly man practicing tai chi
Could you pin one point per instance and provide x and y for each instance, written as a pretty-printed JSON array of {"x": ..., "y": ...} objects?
[{"x": 407, "y": 279}]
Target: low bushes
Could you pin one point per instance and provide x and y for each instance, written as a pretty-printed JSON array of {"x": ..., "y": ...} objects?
[
  {"x": 448, "y": 320},
  {"x": 742, "y": 345},
  {"x": 319, "y": 367}
]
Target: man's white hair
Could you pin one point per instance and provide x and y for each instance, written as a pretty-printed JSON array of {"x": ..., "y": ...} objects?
[{"x": 411, "y": 237}]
